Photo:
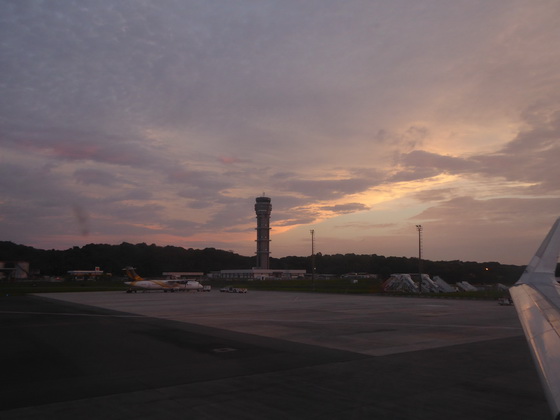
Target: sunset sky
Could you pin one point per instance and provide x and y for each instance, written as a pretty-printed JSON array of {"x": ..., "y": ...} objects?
[{"x": 161, "y": 121}]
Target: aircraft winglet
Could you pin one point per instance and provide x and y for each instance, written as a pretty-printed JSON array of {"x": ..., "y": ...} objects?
[
  {"x": 537, "y": 300},
  {"x": 546, "y": 257}
]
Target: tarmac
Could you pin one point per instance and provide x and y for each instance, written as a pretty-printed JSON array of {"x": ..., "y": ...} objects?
[{"x": 263, "y": 355}]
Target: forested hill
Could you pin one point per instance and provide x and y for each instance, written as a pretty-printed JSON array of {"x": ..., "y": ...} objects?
[
  {"x": 149, "y": 260},
  {"x": 152, "y": 260}
]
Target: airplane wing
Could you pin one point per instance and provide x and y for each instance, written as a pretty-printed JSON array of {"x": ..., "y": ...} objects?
[{"x": 537, "y": 300}]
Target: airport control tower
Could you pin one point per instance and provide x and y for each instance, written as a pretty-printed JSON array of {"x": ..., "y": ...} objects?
[{"x": 263, "y": 209}]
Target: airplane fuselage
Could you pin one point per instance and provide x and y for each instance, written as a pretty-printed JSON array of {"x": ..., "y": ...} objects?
[
  {"x": 138, "y": 283},
  {"x": 165, "y": 285}
]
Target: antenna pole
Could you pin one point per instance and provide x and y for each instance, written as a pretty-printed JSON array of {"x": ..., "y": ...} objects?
[
  {"x": 312, "y": 231},
  {"x": 419, "y": 228}
]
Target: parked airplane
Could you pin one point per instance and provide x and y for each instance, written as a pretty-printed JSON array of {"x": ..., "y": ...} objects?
[
  {"x": 537, "y": 300},
  {"x": 138, "y": 283}
]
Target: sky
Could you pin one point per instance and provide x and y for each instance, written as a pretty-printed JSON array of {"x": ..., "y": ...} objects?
[{"x": 161, "y": 121}]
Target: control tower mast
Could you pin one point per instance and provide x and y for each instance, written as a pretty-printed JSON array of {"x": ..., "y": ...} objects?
[{"x": 263, "y": 209}]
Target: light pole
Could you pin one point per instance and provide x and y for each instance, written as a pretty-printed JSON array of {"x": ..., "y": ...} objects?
[
  {"x": 312, "y": 231},
  {"x": 419, "y": 228}
]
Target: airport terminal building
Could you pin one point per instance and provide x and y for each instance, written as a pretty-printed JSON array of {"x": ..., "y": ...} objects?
[{"x": 258, "y": 274}]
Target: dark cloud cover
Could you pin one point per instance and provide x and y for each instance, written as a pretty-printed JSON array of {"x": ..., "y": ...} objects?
[
  {"x": 94, "y": 176},
  {"x": 345, "y": 208},
  {"x": 162, "y": 121}
]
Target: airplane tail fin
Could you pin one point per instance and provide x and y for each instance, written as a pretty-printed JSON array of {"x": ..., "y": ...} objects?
[{"x": 132, "y": 274}]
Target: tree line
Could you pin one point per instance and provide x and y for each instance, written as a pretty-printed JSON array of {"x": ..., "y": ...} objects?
[{"x": 152, "y": 260}]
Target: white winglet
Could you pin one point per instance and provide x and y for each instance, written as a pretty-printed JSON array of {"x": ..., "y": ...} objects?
[{"x": 546, "y": 257}]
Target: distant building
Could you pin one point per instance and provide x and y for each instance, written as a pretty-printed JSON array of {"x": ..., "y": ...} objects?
[
  {"x": 172, "y": 275},
  {"x": 85, "y": 274},
  {"x": 258, "y": 274},
  {"x": 357, "y": 276},
  {"x": 14, "y": 270}
]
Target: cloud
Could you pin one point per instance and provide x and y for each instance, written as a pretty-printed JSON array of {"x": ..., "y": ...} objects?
[
  {"x": 532, "y": 155},
  {"x": 94, "y": 176},
  {"x": 135, "y": 194},
  {"x": 61, "y": 144},
  {"x": 229, "y": 160},
  {"x": 501, "y": 229},
  {"x": 328, "y": 189},
  {"x": 364, "y": 225},
  {"x": 529, "y": 158},
  {"x": 420, "y": 158},
  {"x": 435, "y": 195},
  {"x": 153, "y": 116},
  {"x": 345, "y": 208}
]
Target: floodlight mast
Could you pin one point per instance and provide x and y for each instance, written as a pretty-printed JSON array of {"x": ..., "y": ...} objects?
[
  {"x": 419, "y": 228},
  {"x": 312, "y": 231}
]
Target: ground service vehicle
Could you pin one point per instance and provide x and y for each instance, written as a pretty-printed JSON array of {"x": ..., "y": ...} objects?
[{"x": 233, "y": 290}]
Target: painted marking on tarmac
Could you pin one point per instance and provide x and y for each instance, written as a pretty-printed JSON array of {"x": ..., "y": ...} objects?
[{"x": 194, "y": 318}]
